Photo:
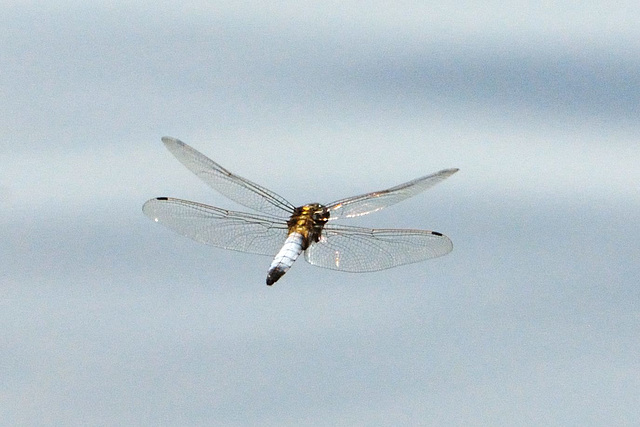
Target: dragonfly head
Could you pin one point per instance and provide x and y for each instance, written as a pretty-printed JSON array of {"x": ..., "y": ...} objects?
[
  {"x": 316, "y": 212},
  {"x": 320, "y": 214}
]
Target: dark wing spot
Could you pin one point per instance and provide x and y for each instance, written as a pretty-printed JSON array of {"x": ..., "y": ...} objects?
[
  {"x": 162, "y": 198},
  {"x": 436, "y": 233}
]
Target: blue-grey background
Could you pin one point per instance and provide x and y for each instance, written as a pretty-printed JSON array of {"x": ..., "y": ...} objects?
[{"x": 533, "y": 319}]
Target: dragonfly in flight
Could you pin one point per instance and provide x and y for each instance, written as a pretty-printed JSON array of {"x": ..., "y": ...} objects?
[{"x": 284, "y": 231}]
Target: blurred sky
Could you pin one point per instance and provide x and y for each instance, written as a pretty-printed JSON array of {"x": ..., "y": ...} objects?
[{"x": 533, "y": 319}]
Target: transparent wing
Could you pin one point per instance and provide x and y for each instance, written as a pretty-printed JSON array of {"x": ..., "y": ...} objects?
[
  {"x": 238, "y": 231},
  {"x": 371, "y": 202},
  {"x": 236, "y": 188},
  {"x": 355, "y": 249}
]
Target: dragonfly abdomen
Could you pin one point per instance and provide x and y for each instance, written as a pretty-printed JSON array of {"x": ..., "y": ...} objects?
[{"x": 290, "y": 251}]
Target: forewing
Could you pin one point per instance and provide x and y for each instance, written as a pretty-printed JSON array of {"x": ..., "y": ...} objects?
[
  {"x": 371, "y": 202},
  {"x": 236, "y": 188},
  {"x": 355, "y": 249},
  {"x": 238, "y": 231}
]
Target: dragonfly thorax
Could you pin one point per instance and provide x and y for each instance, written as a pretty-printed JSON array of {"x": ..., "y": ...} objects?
[{"x": 308, "y": 220}]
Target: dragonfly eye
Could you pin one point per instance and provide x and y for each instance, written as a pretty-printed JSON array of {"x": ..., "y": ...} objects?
[{"x": 321, "y": 215}]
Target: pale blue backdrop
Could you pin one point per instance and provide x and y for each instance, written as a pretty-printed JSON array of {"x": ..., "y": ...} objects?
[{"x": 533, "y": 319}]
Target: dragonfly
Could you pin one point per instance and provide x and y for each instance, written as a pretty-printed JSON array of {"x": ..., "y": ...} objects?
[{"x": 284, "y": 231}]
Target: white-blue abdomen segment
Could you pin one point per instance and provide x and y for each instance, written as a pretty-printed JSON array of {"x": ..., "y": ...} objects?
[{"x": 290, "y": 251}]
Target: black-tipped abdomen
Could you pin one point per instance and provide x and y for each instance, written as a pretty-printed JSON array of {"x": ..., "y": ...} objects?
[{"x": 273, "y": 275}]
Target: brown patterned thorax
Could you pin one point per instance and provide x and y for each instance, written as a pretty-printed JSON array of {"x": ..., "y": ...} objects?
[{"x": 308, "y": 220}]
